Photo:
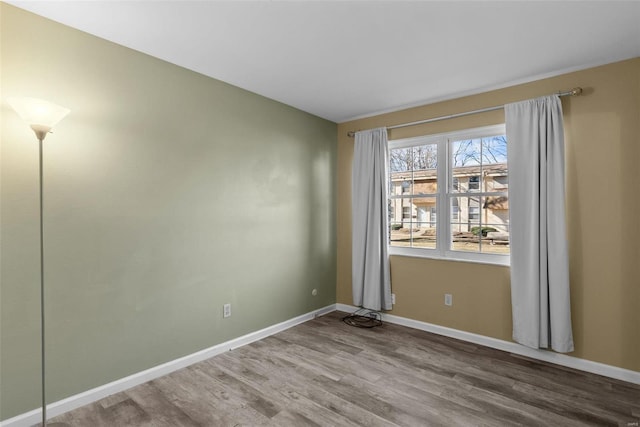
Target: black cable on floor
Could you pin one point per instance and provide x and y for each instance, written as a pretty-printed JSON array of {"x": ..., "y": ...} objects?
[{"x": 363, "y": 318}]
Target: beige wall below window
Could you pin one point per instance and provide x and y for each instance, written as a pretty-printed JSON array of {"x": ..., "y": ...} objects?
[{"x": 602, "y": 130}]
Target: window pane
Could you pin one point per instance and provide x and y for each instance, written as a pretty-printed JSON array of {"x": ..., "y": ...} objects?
[
  {"x": 413, "y": 222},
  {"x": 466, "y": 153},
  {"x": 413, "y": 170},
  {"x": 400, "y": 160},
  {"x": 399, "y": 212},
  {"x": 480, "y": 224},
  {"x": 465, "y": 223},
  {"x": 425, "y": 157},
  {"x": 400, "y": 227},
  {"x": 400, "y": 183},
  {"x": 494, "y": 163},
  {"x": 466, "y": 159},
  {"x": 479, "y": 165},
  {"x": 424, "y": 234},
  {"x": 494, "y": 150},
  {"x": 395, "y": 214},
  {"x": 401, "y": 223},
  {"x": 495, "y": 224},
  {"x": 495, "y": 242},
  {"x": 425, "y": 172}
]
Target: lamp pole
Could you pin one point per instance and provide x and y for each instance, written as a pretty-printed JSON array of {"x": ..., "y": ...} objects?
[
  {"x": 41, "y": 117},
  {"x": 42, "y": 335}
]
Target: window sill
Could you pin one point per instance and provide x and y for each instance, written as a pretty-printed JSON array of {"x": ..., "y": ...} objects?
[{"x": 456, "y": 256}]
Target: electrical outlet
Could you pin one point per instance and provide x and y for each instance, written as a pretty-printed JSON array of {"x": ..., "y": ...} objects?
[
  {"x": 448, "y": 299},
  {"x": 226, "y": 310},
  {"x": 393, "y": 298},
  {"x": 314, "y": 292}
]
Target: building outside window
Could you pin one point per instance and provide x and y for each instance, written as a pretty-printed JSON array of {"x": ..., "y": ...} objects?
[{"x": 449, "y": 195}]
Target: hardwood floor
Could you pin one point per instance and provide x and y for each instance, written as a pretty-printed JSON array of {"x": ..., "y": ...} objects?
[{"x": 325, "y": 373}]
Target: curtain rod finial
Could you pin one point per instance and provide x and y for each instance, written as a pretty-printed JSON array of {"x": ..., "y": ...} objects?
[{"x": 576, "y": 91}]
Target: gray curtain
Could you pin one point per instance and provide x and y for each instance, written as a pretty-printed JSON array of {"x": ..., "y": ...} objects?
[
  {"x": 370, "y": 222},
  {"x": 539, "y": 256}
]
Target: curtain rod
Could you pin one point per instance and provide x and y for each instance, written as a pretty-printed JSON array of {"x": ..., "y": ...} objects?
[{"x": 573, "y": 92}]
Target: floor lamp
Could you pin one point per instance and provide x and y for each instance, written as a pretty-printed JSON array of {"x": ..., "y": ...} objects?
[{"x": 41, "y": 116}]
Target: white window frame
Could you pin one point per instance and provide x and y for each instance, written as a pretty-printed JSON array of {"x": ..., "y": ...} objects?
[{"x": 445, "y": 184}]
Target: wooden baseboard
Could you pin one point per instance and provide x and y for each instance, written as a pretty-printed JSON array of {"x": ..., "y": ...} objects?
[
  {"x": 511, "y": 347},
  {"x": 54, "y": 409},
  {"x": 30, "y": 418}
]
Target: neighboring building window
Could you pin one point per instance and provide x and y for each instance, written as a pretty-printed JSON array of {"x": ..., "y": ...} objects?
[
  {"x": 455, "y": 183},
  {"x": 474, "y": 214},
  {"x": 466, "y": 219},
  {"x": 406, "y": 212},
  {"x": 474, "y": 183},
  {"x": 455, "y": 213}
]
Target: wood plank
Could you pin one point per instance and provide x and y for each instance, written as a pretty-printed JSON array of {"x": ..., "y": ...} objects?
[{"x": 326, "y": 373}]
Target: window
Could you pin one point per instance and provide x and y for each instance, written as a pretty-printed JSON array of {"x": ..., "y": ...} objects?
[
  {"x": 455, "y": 183},
  {"x": 406, "y": 212},
  {"x": 415, "y": 165},
  {"x": 474, "y": 213},
  {"x": 455, "y": 211},
  {"x": 474, "y": 183},
  {"x": 454, "y": 201}
]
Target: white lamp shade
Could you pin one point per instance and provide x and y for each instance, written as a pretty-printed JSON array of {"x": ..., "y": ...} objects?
[{"x": 37, "y": 112}]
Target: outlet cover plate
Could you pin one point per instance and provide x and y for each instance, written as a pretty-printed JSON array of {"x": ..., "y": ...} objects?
[{"x": 448, "y": 299}]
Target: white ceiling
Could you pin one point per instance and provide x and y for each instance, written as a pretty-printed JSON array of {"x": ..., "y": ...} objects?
[{"x": 346, "y": 59}]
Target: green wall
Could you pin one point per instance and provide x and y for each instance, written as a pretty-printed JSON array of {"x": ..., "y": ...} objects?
[{"x": 167, "y": 194}]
